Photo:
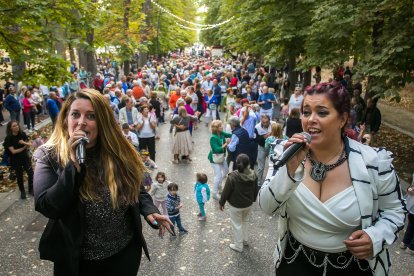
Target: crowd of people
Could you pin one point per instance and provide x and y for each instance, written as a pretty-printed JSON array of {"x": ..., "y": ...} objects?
[{"x": 253, "y": 116}]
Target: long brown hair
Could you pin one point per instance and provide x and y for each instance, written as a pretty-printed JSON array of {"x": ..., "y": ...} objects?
[{"x": 117, "y": 156}]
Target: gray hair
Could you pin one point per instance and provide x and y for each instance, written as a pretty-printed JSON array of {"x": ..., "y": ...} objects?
[{"x": 234, "y": 120}]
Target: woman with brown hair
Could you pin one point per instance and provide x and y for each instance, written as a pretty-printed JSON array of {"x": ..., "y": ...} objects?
[
  {"x": 17, "y": 145},
  {"x": 293, "y": 123},
  {"x": 93, "y": 205},
  {"x": 182, "y": 145}
]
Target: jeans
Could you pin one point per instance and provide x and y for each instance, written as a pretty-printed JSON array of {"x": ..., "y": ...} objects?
[
  {"x": 15, "y": 115},
  {"x": 202, "y": 210},
  {"x": 238, "y": 217},
  {"x": 45, "y": 97},
  {"x": 220, "y": 170},
  {"x": 261, "y": 163},
  {"x": 29, "y": 118},
  {"x": 409, "y": 232},
  {"x": 177, "y": 220}
]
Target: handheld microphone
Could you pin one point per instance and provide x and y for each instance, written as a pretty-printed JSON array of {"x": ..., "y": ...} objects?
[
  {"x": 81, "y": 150},
  {"x": 291, "y": 151}
]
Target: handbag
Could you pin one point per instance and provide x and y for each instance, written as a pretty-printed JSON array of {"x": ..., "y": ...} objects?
[
  {"x": 218, "y": 158},
  {"x": 175, "y": 128}
]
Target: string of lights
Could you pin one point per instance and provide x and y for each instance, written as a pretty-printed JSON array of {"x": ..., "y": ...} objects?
[
  {"x": 200, "y": 29},
  {"x": 202, "y": 26}
]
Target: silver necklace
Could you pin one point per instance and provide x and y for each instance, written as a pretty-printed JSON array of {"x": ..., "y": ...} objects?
[{"x": 318, "y": 169}]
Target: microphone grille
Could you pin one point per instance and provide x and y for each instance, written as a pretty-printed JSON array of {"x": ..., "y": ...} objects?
[{"x": 307, "y": 137}]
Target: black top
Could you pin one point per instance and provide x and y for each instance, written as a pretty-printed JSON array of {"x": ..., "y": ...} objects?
[
  {"x": 293, "y": 126},
  {"x": 13, "y": 141},
  {"x": 56, "y": 191},
  {"x": 200, "y": 101},
  {"x": 157, "y": 107}
]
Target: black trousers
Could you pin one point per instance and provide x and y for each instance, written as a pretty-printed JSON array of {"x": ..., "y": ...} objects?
[
  {"x": 148, "y": 144},
  {"x": 301, "y": 265},
  {"x": 20, "y": 166},
  {"x": 29, "y": 119},
  {"x": 125, "y": 263}
]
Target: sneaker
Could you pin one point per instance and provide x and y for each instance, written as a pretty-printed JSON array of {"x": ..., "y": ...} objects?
[
  {"x": 235, "y": 248},
  {"x": 199, "y": 215},
  {"x": 411, "y": 252},
  {"x": 202, "y": 218},
  {"x": 403, "y": 245},
  {"x": 182, "y": 233}
]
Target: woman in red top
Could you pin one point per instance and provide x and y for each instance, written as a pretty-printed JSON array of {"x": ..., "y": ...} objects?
[
  {"x": 29, "y": 110},
  {"x": 234, "y": 80}
]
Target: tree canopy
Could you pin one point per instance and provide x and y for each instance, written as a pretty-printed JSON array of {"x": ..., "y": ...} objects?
[
  {"x": 376, "y": 35},
  {"x": 38, "y": 34}
]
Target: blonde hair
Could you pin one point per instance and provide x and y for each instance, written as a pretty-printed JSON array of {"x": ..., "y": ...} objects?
[
  {"x": 215, "y": 126},
  {"x": 182, "y": 111},
  {"x": 117, "y": 156},
  {"x": 277, "y": 130}
]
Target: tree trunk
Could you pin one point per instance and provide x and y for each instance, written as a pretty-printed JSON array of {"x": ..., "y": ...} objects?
[
  {"x": 127, "y": 63},
  {"x": 71, "y": 53},
  {"x": 375, "y": 84},
  {"x": 18, "y": 69},
  {"x": 143, "y": 56},
  {"x": 307, "y": 78},
  {"x": 90, "y": 53},
  {"x": 293, "y": 75},
  {"x": 59, "y": 45},
  {"x": 87, "y": 54}
]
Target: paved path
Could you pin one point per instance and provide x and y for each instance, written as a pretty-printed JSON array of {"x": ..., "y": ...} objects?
[
  {"x": 204, "y": 251},
  {"x": 6, "y": 116},
  {"x": 398, "y": 119}
]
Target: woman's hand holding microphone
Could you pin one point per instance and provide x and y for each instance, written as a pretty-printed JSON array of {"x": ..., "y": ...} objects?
[
  {"x": 74, "y": 140},
  {"x": 296, "y": 159}
]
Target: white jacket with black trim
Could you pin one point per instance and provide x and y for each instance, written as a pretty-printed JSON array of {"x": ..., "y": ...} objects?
[{"x": 378, "y": 192}]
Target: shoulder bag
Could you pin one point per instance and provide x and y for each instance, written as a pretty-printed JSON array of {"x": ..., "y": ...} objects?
[{"x": 218, "y": 158}]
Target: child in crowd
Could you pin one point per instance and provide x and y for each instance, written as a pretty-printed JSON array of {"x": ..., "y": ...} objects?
[
  {"x": 159, "y": 192},
  {"x": 274, "y": 146},
  {"x": 173, "y": 207},
  {"x": 131, "y": 136},
  {"x": 202, "y": 194},
  {"x": 36, "y": 140},
  {"x": 285, "y": 109},
  {"x": 147, "y": 181},
  {"x": 148, "y": 162}
]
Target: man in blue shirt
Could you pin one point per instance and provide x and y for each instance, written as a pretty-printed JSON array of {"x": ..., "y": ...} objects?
[
  {"x": 248, "y": 118},
  {"x": 265, "y": 101},
  {"x": 241, "y": 143},
  {"x": 52, "y": 107},
  {"x": 11, "y": 104}
]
